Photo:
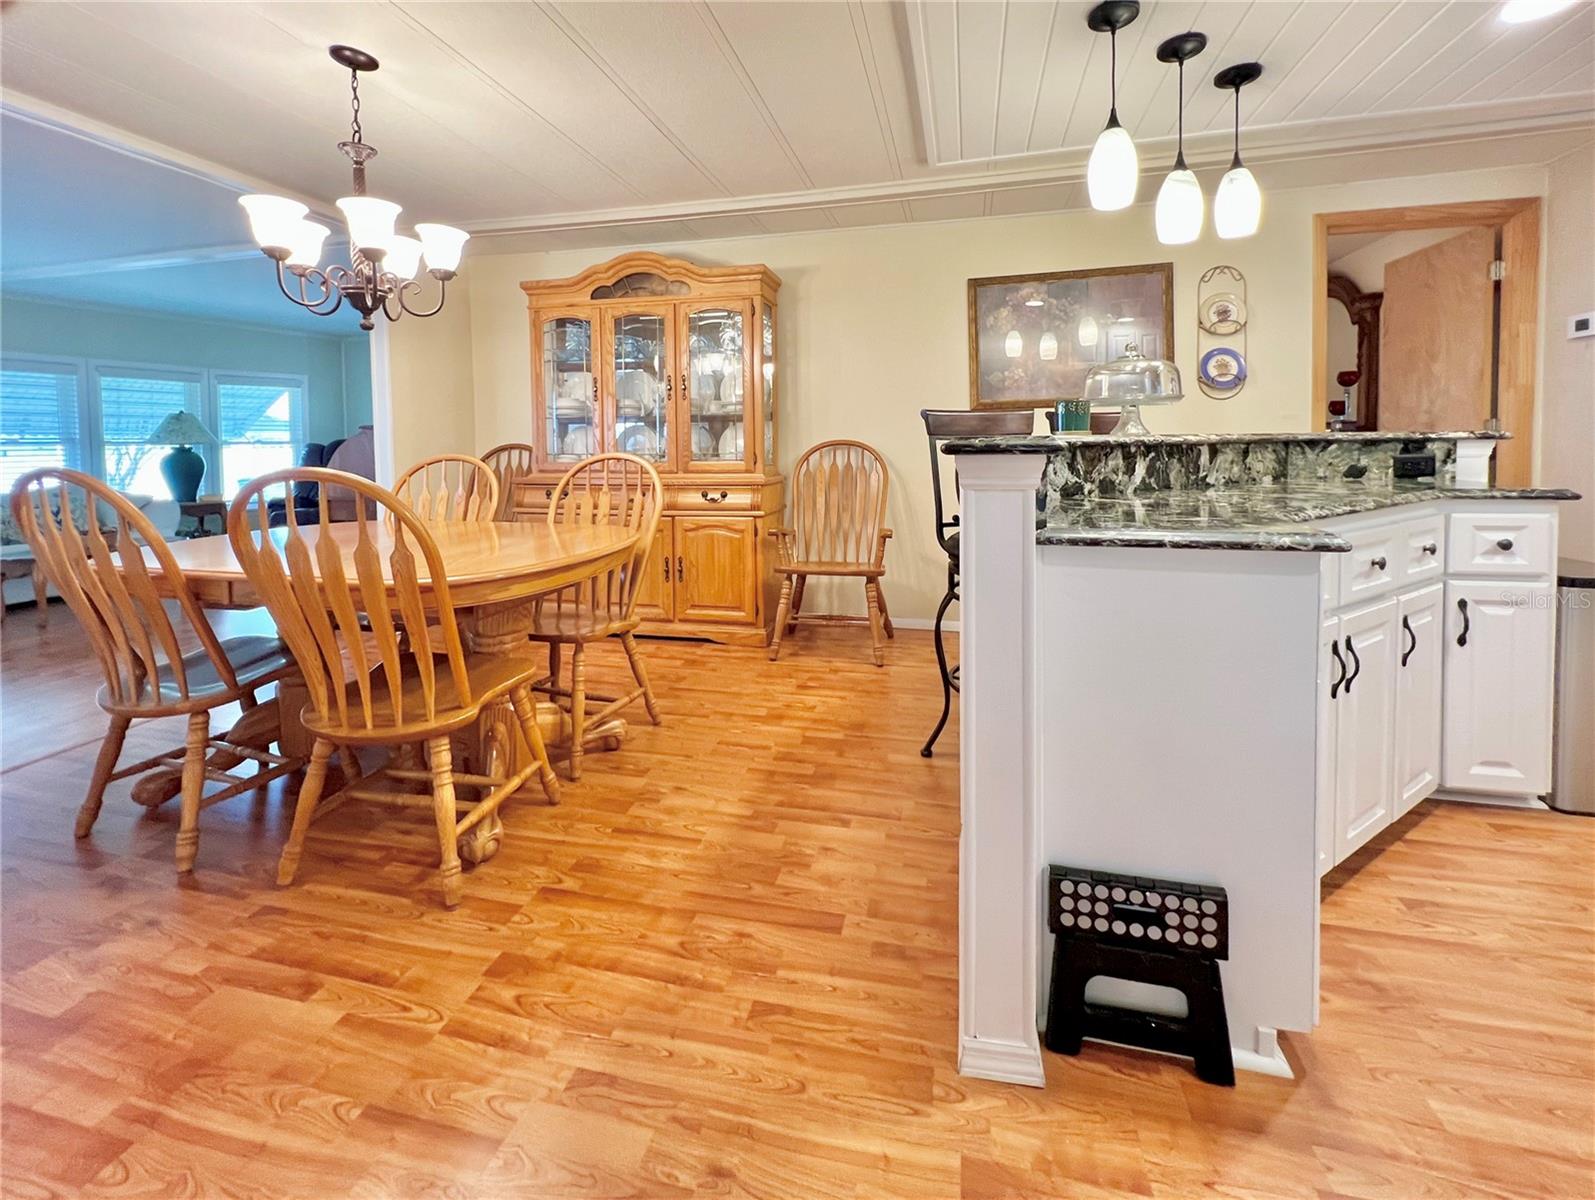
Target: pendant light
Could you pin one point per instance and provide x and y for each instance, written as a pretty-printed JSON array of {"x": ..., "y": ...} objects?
[
  {"x": 1113, "y": 170},
  {"x": 1238, "y": 204},
  {"x": 1179, "y": 201}
]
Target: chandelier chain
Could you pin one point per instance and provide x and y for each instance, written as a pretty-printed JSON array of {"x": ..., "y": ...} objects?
[{"x": 354, "y": 104}]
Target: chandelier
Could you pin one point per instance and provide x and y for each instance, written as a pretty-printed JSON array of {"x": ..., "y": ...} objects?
[{"x": 384, "y": 262}]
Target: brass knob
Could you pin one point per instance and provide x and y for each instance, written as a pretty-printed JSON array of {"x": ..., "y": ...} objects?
[{"x": 714, "y": 499}]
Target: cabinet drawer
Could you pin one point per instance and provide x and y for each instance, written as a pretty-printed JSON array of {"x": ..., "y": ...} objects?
[
  {"x": 1373, "y": 566},
  {"x": 1422, "y": 550},
  {"x": 718, "y": 498},
  {"x": 1503, "y": 544}
]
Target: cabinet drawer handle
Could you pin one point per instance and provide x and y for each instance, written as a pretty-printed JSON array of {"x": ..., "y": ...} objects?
[
  {"x": 715, "y": 499},
  {"x": 1406, "y": 624},
  {"x": 1380, "y": 563},
  {"x": 1462, "y": 638},
  {"x": 1503, "y": 544},
  {"x": 1334, "y": 686},
  {"x": 681, "y": 570},
  {"x": 1430, "y": 548},
  {"x": 1356, "y": 664},
  {"x": 667, "y": 568},
  {"x": 669, "y": 386}
]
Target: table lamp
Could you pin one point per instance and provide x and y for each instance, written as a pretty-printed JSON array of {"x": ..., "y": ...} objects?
[
  {"x": 1129, "y": 382},
  {"x": 182, "y": 468}
]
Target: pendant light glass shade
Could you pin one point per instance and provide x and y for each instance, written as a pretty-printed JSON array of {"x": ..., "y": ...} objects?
[
  {"x": 1047, "y": 347},
  {"x": 442, "y": 245},
  {"x": 1013, "y": 345},
  {"x": 273, "y": 220},
  {"x": 305, "y": 248},
  {"x": 1238, "y": 206},
  {"x": 1113, "y": 171},
  {"x": 1180, "y": 208},
  {"x": 370, "y": 223},
  {"x": 1087, "y": 332}
]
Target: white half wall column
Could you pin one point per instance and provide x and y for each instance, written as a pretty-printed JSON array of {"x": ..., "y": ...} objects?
[{"x": 999, "y": 885}]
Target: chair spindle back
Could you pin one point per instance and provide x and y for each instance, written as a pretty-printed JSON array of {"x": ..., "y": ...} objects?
[
  {"x": 609, "y": 489},
  {"x": 839, "y": 503},
  {"x": 511, "y": 463},
  {"x": 318, "y": 580},
  {"x": 60, "y": 513},
  {"x": 450, "y": 487}
]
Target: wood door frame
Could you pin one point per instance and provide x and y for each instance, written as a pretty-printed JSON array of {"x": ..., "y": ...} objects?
[{"x": 1518, "y": 219}]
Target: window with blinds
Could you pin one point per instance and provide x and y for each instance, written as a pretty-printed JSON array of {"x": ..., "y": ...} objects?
[
  {"x": 132, "y": 402},
  {"x": 39, "y": 421},
  {"x": 256, "y": 418}
]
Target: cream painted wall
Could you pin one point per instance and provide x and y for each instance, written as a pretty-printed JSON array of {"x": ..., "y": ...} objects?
[
  {"x": 432, "y": 403},
  {"x": 873, "y": 328},
  {"x": 1567, "y": 372}
]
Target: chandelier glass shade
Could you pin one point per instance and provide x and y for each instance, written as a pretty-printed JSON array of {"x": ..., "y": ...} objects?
[{"x": 383, "y": 263}]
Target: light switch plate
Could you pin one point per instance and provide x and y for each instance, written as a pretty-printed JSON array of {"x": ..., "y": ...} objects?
[{"x": 1581, "y": 325}]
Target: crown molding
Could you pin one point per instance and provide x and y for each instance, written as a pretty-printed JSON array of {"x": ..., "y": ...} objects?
[{"x": 1277, "y": 145}]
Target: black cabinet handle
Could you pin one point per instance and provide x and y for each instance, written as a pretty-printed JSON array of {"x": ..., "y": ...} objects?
[
  {"x": 1462, "y": 638},
  {"x": 1380, "y": 563},
  {"x": 1356, "y": 664},
  {"x": 1334, "y": 686},
  {"x": 1430, "y": 548},
  {"x": 1412, "y": 645},
  {"x": 681, "y": 570},
  {"x": 1503, "y": 544}
]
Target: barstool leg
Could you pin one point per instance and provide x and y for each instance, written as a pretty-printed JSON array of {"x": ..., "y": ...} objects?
[{"x": 946, "y": 678}]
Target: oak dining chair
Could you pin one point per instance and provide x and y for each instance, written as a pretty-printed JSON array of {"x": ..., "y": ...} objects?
[
  {"x": 607, "y": 489},
  {"x": 838, "y": 529},
  {"x": 511, "y": 463},
  {"x": 139, "y": 645},
  {"x": 450, "y": 487},
  {"x": 341, "y": 616}
]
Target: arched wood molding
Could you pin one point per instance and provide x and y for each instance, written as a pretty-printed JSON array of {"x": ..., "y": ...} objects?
[
  {"x": 1363, "y": 309},
  {"x": 647, "y": 262}
]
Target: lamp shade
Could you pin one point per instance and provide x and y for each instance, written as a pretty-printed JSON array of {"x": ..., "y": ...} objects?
[
  {"x": 370, "y": 223},
  {"x": 442, "y": 245},
  {"x": 180, "y": 428},
  {"x": 1179, "y": 208},
  {"x": 1087, "y": 331},
  {"x": 1238, "y": 205},
  {"x": 1047, "y": 347},
  {"x": 1113, "y": 170},
  {"x": 304, "y": 246},
  {"x": 272, "y": 219},
  {"x": 404, "y": 256},
  {"x": 1014, "y": 344}
]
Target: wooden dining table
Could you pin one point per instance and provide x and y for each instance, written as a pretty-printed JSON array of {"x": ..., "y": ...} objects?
[{"x": 496, "y": 573}]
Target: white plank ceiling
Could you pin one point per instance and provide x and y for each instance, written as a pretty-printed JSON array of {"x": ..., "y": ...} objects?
[{"x": 555, "y": 124}]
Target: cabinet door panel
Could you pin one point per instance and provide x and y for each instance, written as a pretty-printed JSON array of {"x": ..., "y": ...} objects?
[
  {"x": 1419, "y": 655},
  {"x": 638, "y": 384},
  {"x": 1497, "y": 734},
  {"x": 656, "y": 594},
  {"x": 714, "y": 569},
  {"x": 1331, "y": 674},
  {"x": 565, "y": 385},
  {"x": 1365, "y": 726}
]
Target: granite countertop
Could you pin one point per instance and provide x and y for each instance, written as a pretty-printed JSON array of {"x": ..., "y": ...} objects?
[
  {"x": 1269, "y": 516},
  {"x": 1049, "y": 443}
]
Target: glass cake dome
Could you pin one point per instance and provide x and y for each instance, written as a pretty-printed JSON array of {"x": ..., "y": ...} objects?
[{"x": 1129, "y": 382}]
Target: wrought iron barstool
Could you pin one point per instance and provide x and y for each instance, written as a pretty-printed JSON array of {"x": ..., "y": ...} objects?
[{"x": 940, "y": 425}]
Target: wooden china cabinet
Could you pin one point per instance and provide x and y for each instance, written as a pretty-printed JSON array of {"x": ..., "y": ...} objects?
[{"x": 675, "y": 363}]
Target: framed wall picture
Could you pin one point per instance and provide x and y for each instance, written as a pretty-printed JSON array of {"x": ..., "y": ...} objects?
[{"x": 1032, "y": 338}]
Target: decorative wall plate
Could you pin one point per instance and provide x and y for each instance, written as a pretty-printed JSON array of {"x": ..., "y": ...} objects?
[
  {"x": 1223, "y": 313},
  {"x": 1223, "y": 368}
]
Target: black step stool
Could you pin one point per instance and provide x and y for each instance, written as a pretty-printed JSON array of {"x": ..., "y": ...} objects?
[{"x": 1154, "y": 931}]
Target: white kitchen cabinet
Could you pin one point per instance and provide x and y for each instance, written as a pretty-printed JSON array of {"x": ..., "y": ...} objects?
[
  {"x": 1365, "y": 725},
  {"x": 1499, "y": 667},
  {"x": 1331, "y": 674},
  {"x": 1420, "y": 652}
]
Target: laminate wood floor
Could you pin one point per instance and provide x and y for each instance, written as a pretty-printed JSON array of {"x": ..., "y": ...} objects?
[{"x": 727, "y": 966}]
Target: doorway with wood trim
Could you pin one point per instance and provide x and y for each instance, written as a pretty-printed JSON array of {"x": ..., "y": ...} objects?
[{"x": 1427, "y": 318}]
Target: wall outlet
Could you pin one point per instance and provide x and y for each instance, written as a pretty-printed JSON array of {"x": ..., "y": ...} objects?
[{"x": 1581, "y": 325}]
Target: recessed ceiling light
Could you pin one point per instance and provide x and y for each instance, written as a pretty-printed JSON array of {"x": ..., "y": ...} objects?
[{"x": 1516, "y": 12}]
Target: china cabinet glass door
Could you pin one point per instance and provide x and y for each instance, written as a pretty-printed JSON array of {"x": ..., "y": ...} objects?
[
  {"x": 569, "y": 388},
  {"x": 639, "y": 380},
  {"x": 715, "y": 378},
  {"x": 767, "y": 382}
]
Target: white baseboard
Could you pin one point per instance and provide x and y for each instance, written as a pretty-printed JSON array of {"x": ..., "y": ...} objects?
[
  {"x": 1005, "y": 1062},
  {"x": 924, "y": 623},
  {"x": 1528, "y": 802}
]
